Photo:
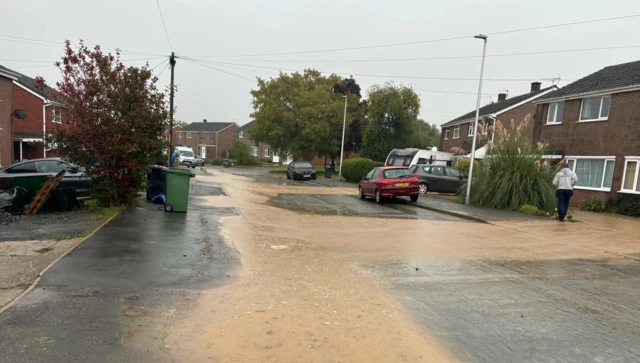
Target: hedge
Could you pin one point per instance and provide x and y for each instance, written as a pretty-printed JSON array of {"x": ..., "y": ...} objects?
[
  {"x": 628, "y": 205},
  {"x": 353, "y": 170}
]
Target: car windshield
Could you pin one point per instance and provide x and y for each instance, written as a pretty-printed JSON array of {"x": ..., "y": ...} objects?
[
  {"x": 304, "y": 164},
  {"x": 186, "y": 153},
  {"x": 397, "y": 173}
]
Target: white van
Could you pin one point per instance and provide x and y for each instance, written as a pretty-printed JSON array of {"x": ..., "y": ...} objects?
[
  {"x": 410, "y": 157},
  {"x": 186, "y": 156}
]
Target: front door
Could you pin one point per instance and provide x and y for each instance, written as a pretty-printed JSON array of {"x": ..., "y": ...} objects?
[
  {"x": 203, "y": 152},
  {"x": 276, "y": 156}
]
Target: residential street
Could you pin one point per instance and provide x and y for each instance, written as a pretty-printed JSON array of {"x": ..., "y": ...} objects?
[{"x": 264, "y": 269}]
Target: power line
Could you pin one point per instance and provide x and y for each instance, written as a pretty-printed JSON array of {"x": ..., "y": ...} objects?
[
  {"x": 159, "y": 64},
  {"x": 436, "y": 58},
  {"x": 378, "y": 75},
  {"x": 164, "y": 25},
  {"x": 163, "y": 69},
  {"x": 427, "y": 41},
  {"x": 53, "y": 62},
  {"x": 217, "y": 69}
]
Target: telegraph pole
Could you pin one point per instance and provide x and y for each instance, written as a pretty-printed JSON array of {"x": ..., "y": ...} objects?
[{"x": 172, "y": 62}]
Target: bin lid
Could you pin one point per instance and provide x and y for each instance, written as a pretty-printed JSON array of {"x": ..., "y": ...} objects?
[{"x": 178, "y": 171}]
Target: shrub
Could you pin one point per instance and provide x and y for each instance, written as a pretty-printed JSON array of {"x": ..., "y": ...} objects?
[
  {"x": 353, "y": 170},
  {"x": 628, "y": 205},
  {"x": 463, "y": 165},
  {"x": 512, "y": 174},
  {"x": 216, "y": 161},
  {"x": 594, "y": 204},
  {"x": 532, "y": 210},
  {"x": 241, "y": 155}
]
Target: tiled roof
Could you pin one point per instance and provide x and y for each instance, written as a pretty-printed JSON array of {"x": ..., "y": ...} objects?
[
  {"x": 611, "y": 77},
  {"x": 496, "y": 106},
  {"x": 246, "y": 126},
  {"x": 206, "y": 126},
  {"x": 27, "y": 82}
]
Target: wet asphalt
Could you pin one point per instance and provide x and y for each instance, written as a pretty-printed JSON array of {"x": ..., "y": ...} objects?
[{"x": 135, "y": 275}]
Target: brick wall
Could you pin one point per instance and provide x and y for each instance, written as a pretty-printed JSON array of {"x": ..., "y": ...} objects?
[
  {"x": 6, "y": 107},
  {"x": 226, "y": 139},
  {"x": 32, "y": 104},
  {"x": 246, "y": 139},
  {"x": 617, "y": 136}
]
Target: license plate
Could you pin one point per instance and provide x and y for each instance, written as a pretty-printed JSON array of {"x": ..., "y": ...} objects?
[
  {"x": 307, "y": 176},
  {"x": 402, "y": 184}
]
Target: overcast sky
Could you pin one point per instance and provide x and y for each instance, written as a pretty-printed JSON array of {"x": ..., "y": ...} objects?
[{"x": 209, "y": 30}]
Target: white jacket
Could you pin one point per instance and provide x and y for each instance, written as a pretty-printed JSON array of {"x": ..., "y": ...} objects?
[{"x": 565, "y": 179}]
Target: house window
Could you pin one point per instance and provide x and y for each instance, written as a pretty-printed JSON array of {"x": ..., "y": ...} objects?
[
  {"x": 595, "y": 109},
  {"x": 202, "y": 135},
  {"x": 446, "y": 133},
  {"x": 180, "y": 135},
  {"x": 253, "y": 150},
  {"x": 456, "y": 132},
  {"x": 212, "y": 135},
  {"x": 593, "y": 173},
  {"x": 276, "y": 153},
  {"x": 485, "y": 127},
  {"x": 188, "y": 135},
  {"x": 470, "y": 132},
  {"x": 556, "y": 110},
  {"x": 240, "y": 134},
  {"x": 630, "y": 182},
  {"x": 56, "y": 115},
  {"x": 266, "y": 152}
]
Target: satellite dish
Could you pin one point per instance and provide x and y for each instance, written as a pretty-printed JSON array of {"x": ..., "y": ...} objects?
[{"x": 20, "y": 114}]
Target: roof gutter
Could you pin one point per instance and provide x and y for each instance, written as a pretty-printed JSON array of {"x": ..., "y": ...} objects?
[{"x": 590, "y": 94}]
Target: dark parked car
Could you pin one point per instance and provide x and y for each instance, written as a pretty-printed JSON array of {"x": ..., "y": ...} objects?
[
  {"x": 389, "y": 181},
  {"x": 197, "y": 161},
  {"x": 74, "y": 177},
  {"x": 302, "y": 170},
  {"x": 438, "y": 178}
]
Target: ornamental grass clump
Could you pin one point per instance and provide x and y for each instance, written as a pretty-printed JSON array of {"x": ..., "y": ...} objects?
[{"x": 513, "y": 173}]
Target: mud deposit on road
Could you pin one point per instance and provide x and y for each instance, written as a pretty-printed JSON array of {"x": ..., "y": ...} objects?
[{"x": 296, "y": 300}]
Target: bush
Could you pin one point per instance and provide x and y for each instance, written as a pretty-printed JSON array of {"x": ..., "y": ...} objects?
[
  {"x": 241, "y": 155},
  {"x": 532, "y": 210},
  {"x": 512, "y": 174},
  {"x": 628, "y": 205},
  {"x": 594, "y": 204},
  {"x": 353, "y": 170},
  {"x": 216, "y": 161},
  {"x": 463, "y": 165}
]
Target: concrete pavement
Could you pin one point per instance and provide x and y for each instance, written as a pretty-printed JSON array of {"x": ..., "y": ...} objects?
[{"x": 113, "y": 297}]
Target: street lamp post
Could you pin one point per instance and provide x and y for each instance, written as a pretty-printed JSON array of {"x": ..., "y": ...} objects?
[
  {"x": 475, "y": 130},
  {"x": 344, "y": 126}
]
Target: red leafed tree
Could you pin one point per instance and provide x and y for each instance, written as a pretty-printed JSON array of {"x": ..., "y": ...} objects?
[{"x": 114, "y": 118}]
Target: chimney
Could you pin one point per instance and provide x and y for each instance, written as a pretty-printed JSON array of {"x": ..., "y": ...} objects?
[
  {"x": 205, "y": 120},
  {"x": 502, "y": 96},
  {"x": 535, "y": 86}
]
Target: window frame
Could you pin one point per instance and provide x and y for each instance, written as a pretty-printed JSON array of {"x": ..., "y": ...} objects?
[
  {"x": 180, "y": 135},
  {"x": 240, "y": 134},
  {"x": 604, "y": 170},
  {"x": 267, "y": 152},
  {"x": 471, "y": 131},
  {"x": 253, "y": 150},
  {"x": 600, "y": 118},
  {"x": 485, "y": 128},
  {"x": 188, "y": 135},
  {"x": 634, "y": 187},
  {"x": 555, "y": 113},
  {"x": 202, "y": 135},
  {"x": 456, "y": 128},
  {"x": 53, "y": 115},
  {"x": 446, "y": 133}
]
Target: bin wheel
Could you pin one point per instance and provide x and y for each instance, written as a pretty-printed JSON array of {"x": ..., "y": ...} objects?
[{"x": 168, "y": 208}]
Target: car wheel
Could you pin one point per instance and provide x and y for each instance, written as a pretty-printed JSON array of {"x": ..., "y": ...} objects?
[
  {"x": 413, "y": 198},
  {"x": 378, "y": 197},
  {"x": 168, "y": 208},
  {"x": 362, "y": 196},
  {"x": 424, "y": 188}
]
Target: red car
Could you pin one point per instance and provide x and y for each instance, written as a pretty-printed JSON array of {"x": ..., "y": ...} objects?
[{"x": 389, "y": 181}]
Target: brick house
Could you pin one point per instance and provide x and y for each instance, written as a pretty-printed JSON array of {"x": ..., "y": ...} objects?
[
  {"x": 458, "y": 133},
  {"x": 594, "y": 123},
  {"x": 6, "y": 108},
  {"x": 165, "y": 134},
  {"x": 42, "y": 115},
  {"x": 210, "y": 140},
  {"x": 261, "y": 151}
]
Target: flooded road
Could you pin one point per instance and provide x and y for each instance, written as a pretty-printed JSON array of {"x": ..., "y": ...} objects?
[{"x": 326, "y": 277}]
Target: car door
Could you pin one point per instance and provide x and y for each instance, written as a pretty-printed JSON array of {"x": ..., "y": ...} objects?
[
  {"x": 366, "y": 183},
  {"x": 374, "y": 181},
  {"x": 454, "y": 180},
  {"x": 72, "y": 178},
  {"x": 437, "y": 180},
  {"x": 289, "y": 170}
]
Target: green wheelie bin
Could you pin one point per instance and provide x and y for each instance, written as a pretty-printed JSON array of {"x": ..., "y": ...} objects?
[{"x": 176, "y": 184}]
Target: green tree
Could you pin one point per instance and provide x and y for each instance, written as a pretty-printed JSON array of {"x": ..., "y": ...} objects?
[
  {"x": 353, "y": 137},
  {"x": 392, "y": 116},
  {"x": 424, "y": 135},
  {"x": 240, "y": 153},
  {"x": 300, "y": 114}
]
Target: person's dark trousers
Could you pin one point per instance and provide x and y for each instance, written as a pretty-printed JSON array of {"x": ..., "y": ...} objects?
[{"x": 564, "y": 196}]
